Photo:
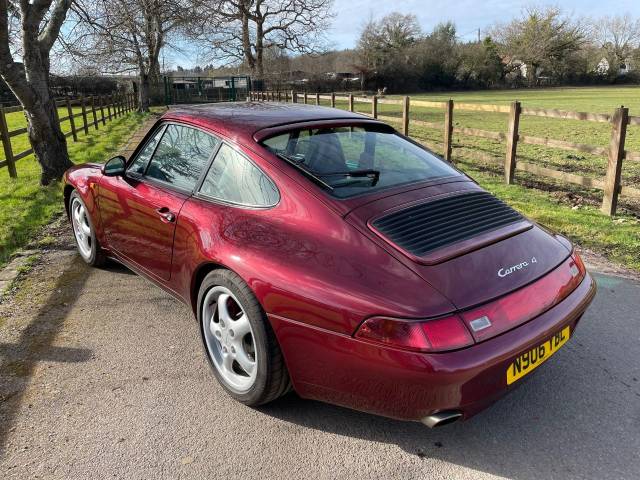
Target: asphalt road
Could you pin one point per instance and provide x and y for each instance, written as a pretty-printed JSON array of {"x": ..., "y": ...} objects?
[{"x": 102, "y": 376}]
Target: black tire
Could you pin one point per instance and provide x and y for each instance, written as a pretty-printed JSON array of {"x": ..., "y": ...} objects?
[
  {"x": 97, "y": 257},
  {"x": 272, "y": 379}
]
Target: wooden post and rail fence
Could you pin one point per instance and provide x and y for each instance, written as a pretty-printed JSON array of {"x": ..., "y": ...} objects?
[
  {"x": 615, "y": 152},
  {"x": 93, "y": 111}
]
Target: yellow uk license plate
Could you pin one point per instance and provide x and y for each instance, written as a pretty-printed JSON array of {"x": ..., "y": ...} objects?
[{"x": 529, "y": 361}]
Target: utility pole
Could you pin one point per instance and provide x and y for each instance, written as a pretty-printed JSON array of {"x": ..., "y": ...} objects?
[{"x": 478, "y": 35}]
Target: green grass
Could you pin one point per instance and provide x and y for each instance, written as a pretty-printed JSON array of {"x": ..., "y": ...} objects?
[
  {"x": 617, "y": 238},
  {"x": 25, "y": 206},
  {"x": 20, "y": 143}
]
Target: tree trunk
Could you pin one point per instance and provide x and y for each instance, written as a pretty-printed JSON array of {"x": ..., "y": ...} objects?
[
  {"x": 154, "y": 71},
  {"x": 143, "y": 93},
  {"x": 48, "y": 142}
]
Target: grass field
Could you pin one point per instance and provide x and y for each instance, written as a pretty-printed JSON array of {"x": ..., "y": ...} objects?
[{"x": 24, "y": 205}]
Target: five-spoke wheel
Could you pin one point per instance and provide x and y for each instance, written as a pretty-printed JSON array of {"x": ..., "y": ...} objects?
[
  {"x": 81, "y": 228},
  {"x": 239, "y": 341},
  {"x": 83, "y": 231},
  {"x": 229, "y": 338}
]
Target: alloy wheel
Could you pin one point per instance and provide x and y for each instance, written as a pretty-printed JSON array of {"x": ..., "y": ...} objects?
[
  {"x": 229, "y": 339},
  {"x": 81, "y": 228}
]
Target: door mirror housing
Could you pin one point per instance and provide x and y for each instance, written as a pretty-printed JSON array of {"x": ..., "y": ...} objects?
[{"x": 115, "y": 166}]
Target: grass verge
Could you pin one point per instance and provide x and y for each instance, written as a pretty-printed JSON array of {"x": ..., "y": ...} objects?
[
  {"x": 617, "y": 238},
  {"x": 25, "y": 206}
]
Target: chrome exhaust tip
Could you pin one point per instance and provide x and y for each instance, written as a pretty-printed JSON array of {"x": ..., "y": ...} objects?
[{"x": 441, "y": 418}]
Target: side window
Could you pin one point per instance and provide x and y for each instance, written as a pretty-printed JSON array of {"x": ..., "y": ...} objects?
[
  {"x": 139, "y": 164},
  {"x": 181, "y": 155},
  {"x": 233, "y": 178}
]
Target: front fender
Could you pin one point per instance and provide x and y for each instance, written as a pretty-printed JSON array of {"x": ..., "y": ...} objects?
[{"x": 85, "y": 179}]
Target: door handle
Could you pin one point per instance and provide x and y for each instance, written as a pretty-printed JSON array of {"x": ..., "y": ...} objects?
[{"x": 166, "y": 215}]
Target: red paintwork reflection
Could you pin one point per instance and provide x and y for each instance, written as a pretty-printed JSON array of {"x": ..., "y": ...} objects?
[
  {"x": 319, "y": 272},
  {"x": 528, "y": 302}
]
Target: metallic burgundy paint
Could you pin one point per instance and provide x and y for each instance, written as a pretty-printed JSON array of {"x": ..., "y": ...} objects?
[{"x": 319, "y": 270}]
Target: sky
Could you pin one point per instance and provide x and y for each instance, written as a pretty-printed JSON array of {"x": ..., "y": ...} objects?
[{"x": 467, "y": 15}]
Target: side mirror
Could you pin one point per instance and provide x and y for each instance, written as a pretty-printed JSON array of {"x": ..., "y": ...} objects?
[{"x": 115, "y": 166}]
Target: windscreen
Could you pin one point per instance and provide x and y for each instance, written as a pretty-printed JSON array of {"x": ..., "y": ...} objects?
[{"x": 357, "y": 159}]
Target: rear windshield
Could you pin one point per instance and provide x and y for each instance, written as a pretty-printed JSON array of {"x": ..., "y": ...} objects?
[{"x": 357, "y": 159}]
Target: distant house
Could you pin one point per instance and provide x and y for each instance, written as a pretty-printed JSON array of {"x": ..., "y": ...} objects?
[{"x": 603, "y": 67}]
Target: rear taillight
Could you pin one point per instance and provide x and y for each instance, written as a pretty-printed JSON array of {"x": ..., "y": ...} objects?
[
  {"x": 522, "y": 305},
  {"x": 437, "y": 335}
]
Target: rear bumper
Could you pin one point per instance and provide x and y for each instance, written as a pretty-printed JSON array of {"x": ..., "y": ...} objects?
[{"x": 342, "y": 370}]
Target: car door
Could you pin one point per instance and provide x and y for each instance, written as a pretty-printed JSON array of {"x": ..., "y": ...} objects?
[{"x": 141, "y": 209}]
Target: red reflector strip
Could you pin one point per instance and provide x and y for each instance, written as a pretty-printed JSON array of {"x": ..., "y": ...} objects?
[{"x": 522, "y": 305}]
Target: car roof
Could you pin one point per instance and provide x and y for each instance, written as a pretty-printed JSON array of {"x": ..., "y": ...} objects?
[{"x": 241, "y": 120}]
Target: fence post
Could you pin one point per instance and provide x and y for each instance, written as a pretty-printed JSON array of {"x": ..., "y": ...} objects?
[
  {"x": 84, "y": 115},
  {"x": 305, "y": 97},
  {"x": 317, "y": 98},
  {"x": 350, "y": 102},
  {"x": 72, "y": 121},
  {"x": 374, "y": 106},
  {"x": 109, "y": 102},
  {"x": 448, "y": 130},
  {"x": 279, "y": 96},
  {"x": 512, "y": 143},
  {"x": 405, "y": 116},
  {"x": 6, "y": 143},
  {"x": 333, "y": 99},
  {"x": 93, "y": 112},
  {"x": 614, "y": 165},
  {"x": 101, "y": 99},
  {"x": 294, "y": 96}
]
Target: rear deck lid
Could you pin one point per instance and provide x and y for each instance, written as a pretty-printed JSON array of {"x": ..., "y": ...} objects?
[{"x": 464, "y": 242}]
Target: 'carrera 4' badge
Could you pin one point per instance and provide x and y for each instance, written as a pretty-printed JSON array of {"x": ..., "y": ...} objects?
[{"x": 504, "y": 271}]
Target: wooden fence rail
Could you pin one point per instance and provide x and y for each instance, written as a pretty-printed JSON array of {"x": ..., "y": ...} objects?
[
  {"x": 615, "y": 152},
  {"x": 116, "y": 105}
]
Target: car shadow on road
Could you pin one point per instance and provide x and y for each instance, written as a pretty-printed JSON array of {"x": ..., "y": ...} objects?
[
  {"x": 19, "y": 360},
  {"x": 573, "y": 419},
  {"x": 116, "y": 267}
]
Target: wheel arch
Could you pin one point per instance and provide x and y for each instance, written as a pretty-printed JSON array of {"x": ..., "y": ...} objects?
[
  {"x": 198, "y": 276},
  {"x": 68, "y": 190}
]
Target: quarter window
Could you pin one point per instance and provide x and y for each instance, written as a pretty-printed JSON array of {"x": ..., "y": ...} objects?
[
  {"x": 233, "y": 178},
  {"x": 181, "y": 155}
]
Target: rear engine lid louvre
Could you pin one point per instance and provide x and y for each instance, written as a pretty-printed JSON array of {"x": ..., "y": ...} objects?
[{"x": 421, "y": 230}]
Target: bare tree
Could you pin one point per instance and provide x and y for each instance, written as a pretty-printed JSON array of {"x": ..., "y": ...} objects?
[
  {"x": 387, "y": 38},
  {"x": 618, "y": 36},
  {"x": 244, "y": 30},
  {"x": 542, "y": 39},
  {"x": 126, "y": 36},
  {"x": 28, "y": 31}
]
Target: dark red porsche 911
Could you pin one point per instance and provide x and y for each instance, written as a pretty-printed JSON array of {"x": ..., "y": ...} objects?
[{"x": 322, "y": 251}]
